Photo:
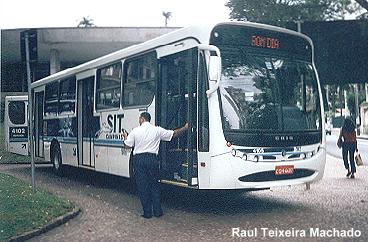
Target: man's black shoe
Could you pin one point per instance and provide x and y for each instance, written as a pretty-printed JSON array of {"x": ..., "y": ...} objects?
[
  {"x": 146, "y": 216},
  {"x": 158, "y": 215}
]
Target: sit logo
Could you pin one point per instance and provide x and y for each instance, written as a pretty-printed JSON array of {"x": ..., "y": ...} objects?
[{"x": 115, "y": 122}]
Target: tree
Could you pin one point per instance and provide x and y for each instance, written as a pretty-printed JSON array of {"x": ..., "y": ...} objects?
[
  {"x": 86, "y": 22},
  {"x": 363, "y": 3},
  {"x": 167, "y": 16},
  {"x": 273, "y": 11}
]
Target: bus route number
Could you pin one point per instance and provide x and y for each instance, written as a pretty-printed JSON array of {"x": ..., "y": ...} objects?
[{"x": 18, "y": 132}]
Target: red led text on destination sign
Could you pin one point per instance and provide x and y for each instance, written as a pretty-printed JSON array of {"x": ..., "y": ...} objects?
[{"x": 265, "y": 42}]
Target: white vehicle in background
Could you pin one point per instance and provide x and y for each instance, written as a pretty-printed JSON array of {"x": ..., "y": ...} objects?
[
  {"x": 16, "y": 124},
  {"x": 328, "y": 127}
]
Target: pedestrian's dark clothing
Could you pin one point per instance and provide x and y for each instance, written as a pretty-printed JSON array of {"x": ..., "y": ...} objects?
[
  {"x": 348, "y": 150},
  {"x": 348, "y": 142},
  {"x": 146, "y": 168}
]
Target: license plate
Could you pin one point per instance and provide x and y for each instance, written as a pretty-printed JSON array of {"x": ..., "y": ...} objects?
[{"x": 284, "y": 170}]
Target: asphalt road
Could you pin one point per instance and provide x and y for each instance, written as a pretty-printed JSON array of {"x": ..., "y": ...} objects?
[
  {"x": 111, "y": 210},
  {"x": 332, "y": 148}
]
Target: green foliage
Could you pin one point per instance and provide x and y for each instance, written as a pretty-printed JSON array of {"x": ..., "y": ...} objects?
[
  {"x": 86, "y": 22},
  {"x": 167, "y": 16},
  {"x": 337, "y": 99},
  {"x": 22, "y": 210},
  {"x": 273, "y": 11}
]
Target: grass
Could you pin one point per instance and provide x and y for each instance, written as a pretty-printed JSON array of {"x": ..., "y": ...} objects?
[
  {"x": 21, "y": 210},
  {"x": 7, "y": 157}
]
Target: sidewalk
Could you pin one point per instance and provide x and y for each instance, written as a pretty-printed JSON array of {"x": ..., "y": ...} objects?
[
  {"x": 362, "y": 136},
  {"x": 336, "y": 131}
]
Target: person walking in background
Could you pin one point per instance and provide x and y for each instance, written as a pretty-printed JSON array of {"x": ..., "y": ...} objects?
[
  {"x": 348, "y": 142},
  {"x": 146, "y": 142}
]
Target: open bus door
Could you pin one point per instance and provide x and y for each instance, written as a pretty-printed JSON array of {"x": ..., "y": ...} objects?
[
  {"x": 87, "y": 123},
  {"x": 39, "y": 125},
  {"x": 177, "y": 104}
]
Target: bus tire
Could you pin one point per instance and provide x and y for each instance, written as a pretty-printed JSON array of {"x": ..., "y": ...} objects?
[{"x": 56, "y": 159}]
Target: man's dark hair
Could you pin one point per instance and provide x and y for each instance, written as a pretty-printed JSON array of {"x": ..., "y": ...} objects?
[{"x": 146, "y": 116}]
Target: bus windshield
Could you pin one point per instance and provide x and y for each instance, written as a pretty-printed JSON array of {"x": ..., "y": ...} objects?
[{"x": 265, "y": 92}]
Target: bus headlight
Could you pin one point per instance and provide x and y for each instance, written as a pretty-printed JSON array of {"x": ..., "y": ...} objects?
[
  {"x": 244, "y": 156},
  {"x": 309, "y": 154},
  {"x": 234, "y": 152},
  {"x": 237, "y": 153}
]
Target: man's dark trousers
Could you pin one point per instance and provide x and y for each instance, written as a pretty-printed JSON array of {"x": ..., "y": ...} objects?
[
  {"x": 146, "y": 168},
  {"x": 348, "y": 150}
]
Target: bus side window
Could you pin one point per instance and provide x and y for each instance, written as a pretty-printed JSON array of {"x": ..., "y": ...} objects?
[
  {"x": 51, "y": 99},
  {"x": 67, "y": 96},
  {"x": 203, "y": 120},
  {"x": 108, "y": 87},
  {"x": 140, "y": 75}
]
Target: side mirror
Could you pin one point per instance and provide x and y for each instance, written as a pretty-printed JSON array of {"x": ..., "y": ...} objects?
[{"x": 214, "y": 66}]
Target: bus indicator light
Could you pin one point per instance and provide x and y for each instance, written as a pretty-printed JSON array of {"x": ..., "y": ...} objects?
[{"x": 265, "y": 42}]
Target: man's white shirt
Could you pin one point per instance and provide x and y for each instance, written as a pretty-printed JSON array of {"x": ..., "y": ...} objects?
[{"x": 146, "y": 138}]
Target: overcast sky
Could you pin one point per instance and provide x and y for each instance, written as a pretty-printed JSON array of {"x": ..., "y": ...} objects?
[{"x": 68, "y": 13}]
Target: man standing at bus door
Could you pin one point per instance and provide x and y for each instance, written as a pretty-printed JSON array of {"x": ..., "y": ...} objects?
[{"x": 146, "y": 141}]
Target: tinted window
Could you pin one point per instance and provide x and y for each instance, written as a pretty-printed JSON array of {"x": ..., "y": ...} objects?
[
  {"x": 17, "y": 112},
  {"x": 140, "y": 80},
  {"x": 268, "y": 93},
  {"x": 67, "y": 96},
  {"x": 51, "y": 99},
  {"x": 108, "y": 87},
  {"x": 203, "y": 120}
]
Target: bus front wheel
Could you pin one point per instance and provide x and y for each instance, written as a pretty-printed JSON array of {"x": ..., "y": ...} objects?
[{"x": 56, "y": 160}]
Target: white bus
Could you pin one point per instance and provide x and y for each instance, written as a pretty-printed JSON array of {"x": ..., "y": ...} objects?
[
  {"x": 250, "y": 93},
  {"x": 16, "y": 124}
]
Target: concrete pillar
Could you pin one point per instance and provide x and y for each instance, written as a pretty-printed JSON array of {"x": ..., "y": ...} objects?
[
  {"x": 347, "y": 111},
  {"x": 54, "y": 61},
  {"x": 364, "y": 113},
  {"x": 357, "y": 111}
]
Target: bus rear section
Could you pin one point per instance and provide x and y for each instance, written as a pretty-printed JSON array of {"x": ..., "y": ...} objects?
[{"x": 16, "y": 124}]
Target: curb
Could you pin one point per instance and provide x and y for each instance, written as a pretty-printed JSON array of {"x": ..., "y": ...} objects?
[
  {"x": 24, "y": 163},
  {"x": 53, "y": 224},
  {"x": 362, "y": 137}
]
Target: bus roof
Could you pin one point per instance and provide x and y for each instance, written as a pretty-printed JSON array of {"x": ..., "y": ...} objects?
[{"x": 201, "y": 33}]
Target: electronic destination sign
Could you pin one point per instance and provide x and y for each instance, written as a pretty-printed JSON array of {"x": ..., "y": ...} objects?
[{"x": 260, "y": 39}]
